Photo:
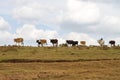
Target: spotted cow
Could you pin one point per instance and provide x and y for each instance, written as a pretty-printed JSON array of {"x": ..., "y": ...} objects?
[{"x": 41, "y": 42}]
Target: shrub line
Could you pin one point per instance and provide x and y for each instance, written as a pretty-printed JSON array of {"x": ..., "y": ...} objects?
[{"x": 50, "y": 61}]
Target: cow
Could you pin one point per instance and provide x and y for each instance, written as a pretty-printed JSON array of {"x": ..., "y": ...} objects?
[
  {"x": 75, "y": 43},
  {"x": 71, "y": 42},
  {"x": 41, "y": 42},
  {"x": 19, "y": 41},
  {"x": 112, "y": 42},
  {"x": 83, "y": 43},
  {"x": 101, "y": 42},
  {"x": 38, "y": 41},
  {"x": 54, "y": 42}
]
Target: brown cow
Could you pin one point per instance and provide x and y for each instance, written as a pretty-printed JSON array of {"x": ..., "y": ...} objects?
[
  {"x": 83, "y": 43},
  {"x": 19, "y": 41},
  {"x": 42, "y": 42}
]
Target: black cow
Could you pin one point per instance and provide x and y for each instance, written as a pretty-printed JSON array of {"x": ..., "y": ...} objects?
[
  {"x": 112, "y": 42},
  {"x": 75, "y": 43},
  {"x": 54, "y": 42},
  {"x": 71, "y": 42}
]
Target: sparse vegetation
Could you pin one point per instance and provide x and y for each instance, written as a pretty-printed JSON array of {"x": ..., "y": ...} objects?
[
  {"x": 62, "y": 63},
  {"x": 60, "y": 53}
]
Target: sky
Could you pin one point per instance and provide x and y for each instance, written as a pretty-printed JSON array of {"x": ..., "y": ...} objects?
[{"x": 81, "y": 20}]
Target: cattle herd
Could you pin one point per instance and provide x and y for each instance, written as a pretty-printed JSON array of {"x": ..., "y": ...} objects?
[{"x": 42, "y": 42}]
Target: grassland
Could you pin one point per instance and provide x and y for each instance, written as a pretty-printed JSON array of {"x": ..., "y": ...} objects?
[{"x": 62, "y": 63}]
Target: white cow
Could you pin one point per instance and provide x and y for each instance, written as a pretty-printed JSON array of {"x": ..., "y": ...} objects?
[{"x": 101, "y": 42}]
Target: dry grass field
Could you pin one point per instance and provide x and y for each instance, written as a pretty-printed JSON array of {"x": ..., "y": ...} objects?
[{"x": 62, "y": 63}]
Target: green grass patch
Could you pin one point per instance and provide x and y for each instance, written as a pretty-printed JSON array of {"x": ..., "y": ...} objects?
[{"x": 60, "y": 53}]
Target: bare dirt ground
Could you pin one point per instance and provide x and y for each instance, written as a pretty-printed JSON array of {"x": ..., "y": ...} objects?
[{"x": 83, "y": 70}]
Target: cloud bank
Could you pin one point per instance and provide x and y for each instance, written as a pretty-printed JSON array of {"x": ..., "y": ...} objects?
[{"x": 67, "y": 19}]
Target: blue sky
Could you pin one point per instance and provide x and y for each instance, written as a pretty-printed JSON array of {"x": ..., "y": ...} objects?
[{"x": 87, "y": 20}]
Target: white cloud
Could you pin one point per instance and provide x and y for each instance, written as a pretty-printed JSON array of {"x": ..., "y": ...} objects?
[
  {"x": 105, "y": 1},
  {"x": 27, "y": 14},
  {"x": 117, "y": 40},
  {"x": 98, "y": 19},
  {"x": 112, "y": 21},
  {"x": 110, "y": 25},
  {"x": 5, "y": 35},
  {"x": 76, "y": 18},
  {"x": 81, "y": 16},
  {"x": 36, "y": 12},
  {"x": 4, "y": 25},
  {"x": 83, "y": 12},
  {"x": 29, "y": 32},
  {"x": 22, "y": 2},
  {"x": 6, "y": 38}
]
